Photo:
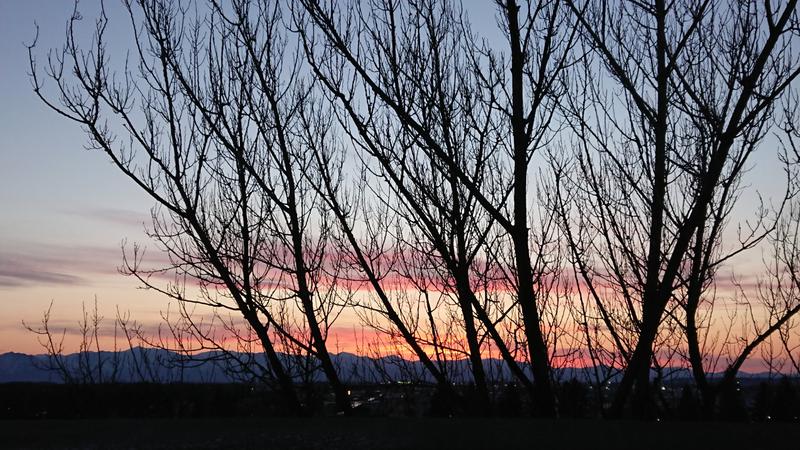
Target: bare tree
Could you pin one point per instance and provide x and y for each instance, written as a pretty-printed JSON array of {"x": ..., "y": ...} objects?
[
  {"x": 698, "y": 82},
  {"x": 446, "y": 232},
  {"x": 371, "y": 261},
  {"x": 94, "y": 362},
  {"x": 404, "y": 82},
  {"x": 698, "y": 296},
  {"x": 565, "y": 200},
  {"x": 87, "y": 367},
  {"x": 210, "y": 110}
]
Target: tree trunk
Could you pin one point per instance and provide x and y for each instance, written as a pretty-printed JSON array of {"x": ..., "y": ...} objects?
[
  {"x": 483, "y": 404},
  {"x": 545, "y": 402}
]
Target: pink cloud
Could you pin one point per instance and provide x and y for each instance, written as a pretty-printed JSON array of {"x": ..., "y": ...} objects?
[{"x": 41, "y": 264}]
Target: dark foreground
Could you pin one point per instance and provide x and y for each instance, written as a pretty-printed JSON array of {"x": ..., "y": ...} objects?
[{"x": 390, "y": 433}]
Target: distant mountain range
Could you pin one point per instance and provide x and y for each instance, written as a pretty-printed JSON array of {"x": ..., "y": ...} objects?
[{"x": 162, "y": 366}]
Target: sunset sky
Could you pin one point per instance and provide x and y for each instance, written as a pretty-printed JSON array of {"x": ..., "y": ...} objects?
[{"x": 66, "y": 211}]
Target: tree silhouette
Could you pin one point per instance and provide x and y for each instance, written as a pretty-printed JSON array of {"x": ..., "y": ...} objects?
[
  {"x": 210, "y": 112},
  {"x": 569, "y": 198},
  {"x": 698, "y": 85}
]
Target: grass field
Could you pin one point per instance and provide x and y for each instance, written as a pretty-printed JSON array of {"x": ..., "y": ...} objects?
[{"x": 391, "y": 433}]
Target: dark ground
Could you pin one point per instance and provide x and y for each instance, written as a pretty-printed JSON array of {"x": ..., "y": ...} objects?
[{"x": 391, "y": 433}]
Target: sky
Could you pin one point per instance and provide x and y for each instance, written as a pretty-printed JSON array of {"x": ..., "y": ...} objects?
[{"x": 66, "y": 210}]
